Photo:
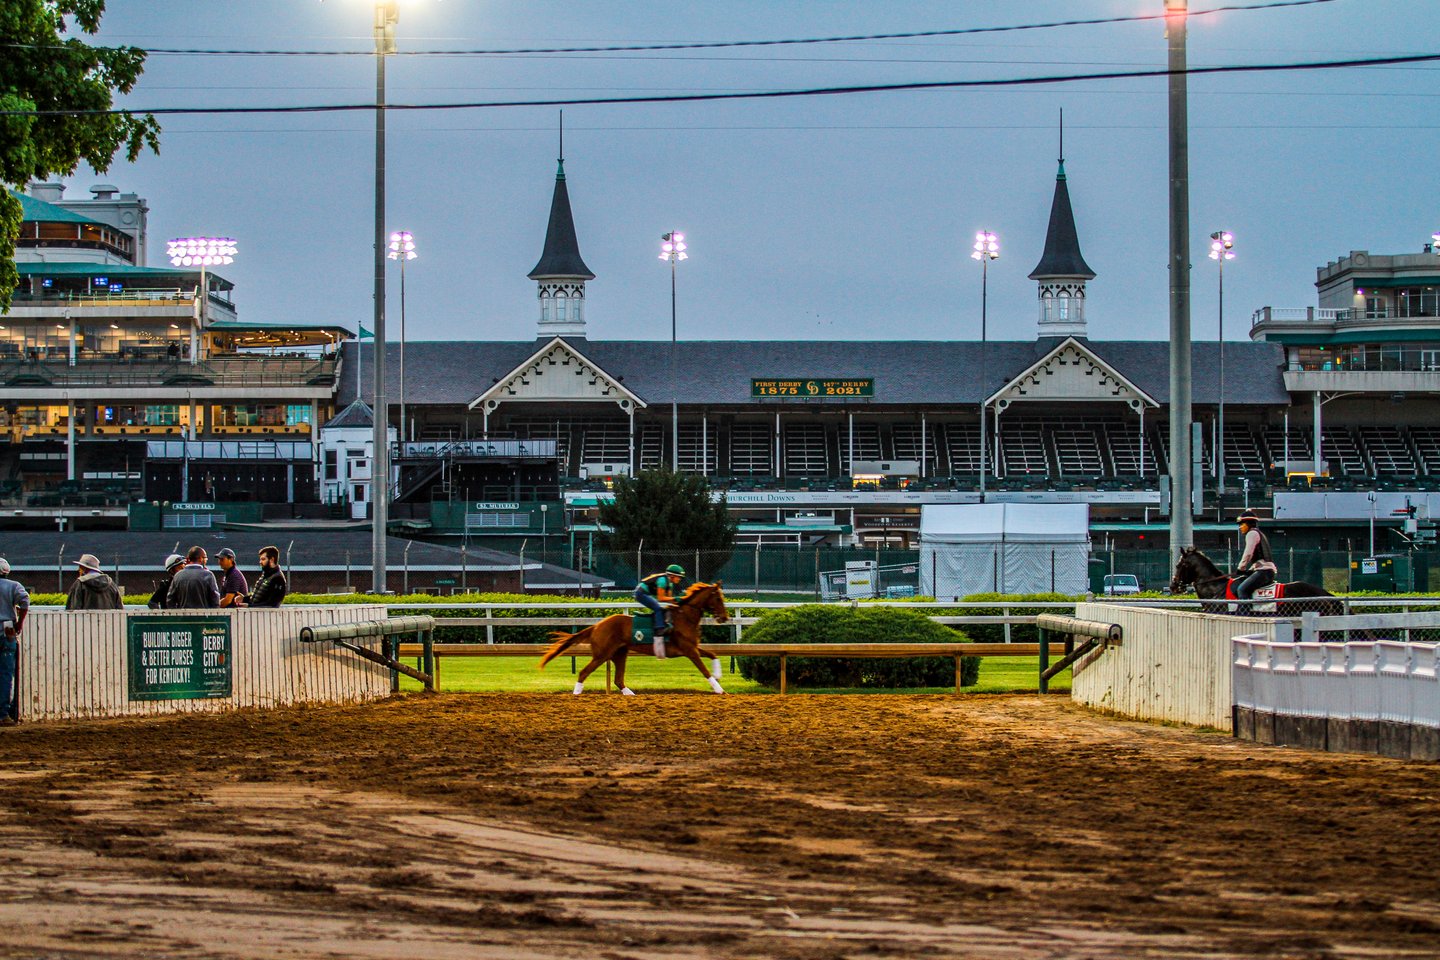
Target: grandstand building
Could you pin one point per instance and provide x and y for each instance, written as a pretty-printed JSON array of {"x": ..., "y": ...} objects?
[
  {"x": 126, "y": 381},
  {"x": 129, "y": 382}
]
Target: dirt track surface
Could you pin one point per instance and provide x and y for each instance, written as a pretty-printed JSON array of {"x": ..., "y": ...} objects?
[{"x": 683, "y": 826}]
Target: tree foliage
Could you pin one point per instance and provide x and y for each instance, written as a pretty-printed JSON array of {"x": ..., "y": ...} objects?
[
  {"x": 49, "y": 83},
  {"x": 668, "y": 513}
]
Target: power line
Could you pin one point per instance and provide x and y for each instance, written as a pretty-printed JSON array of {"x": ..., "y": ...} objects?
[
  {"x": 715, "y": 44},
  {"x": 754, "y": 95}
]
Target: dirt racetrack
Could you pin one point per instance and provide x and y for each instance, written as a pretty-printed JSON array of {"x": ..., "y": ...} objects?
[{"x": 685, "y": 826}]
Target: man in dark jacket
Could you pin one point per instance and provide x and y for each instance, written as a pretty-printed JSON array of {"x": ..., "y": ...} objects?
[
  {"x": 92, "y": 590},
  {"x": 270, "y": 588},
  {"x": 194, "y": 587},
  {"x": 158, "y": 599}
]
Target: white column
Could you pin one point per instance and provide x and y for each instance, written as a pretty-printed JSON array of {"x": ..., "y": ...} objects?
[
  {"x": 704, "y": 444},
  {"x": 1318, "y": 459},
  {"x": 72, "y": 347},
  {"x": 777, "y": 443},
  {"x": 852, "y": 442},
  {"x": 70, "y": 439},
  {"x": 632, "y": 439},
  {"x": 923, "y": 439},
  {"x": 1141, "y": 462}
]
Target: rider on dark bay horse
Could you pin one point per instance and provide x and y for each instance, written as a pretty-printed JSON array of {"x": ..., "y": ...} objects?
[
  {"x": 658, "y": 592},
  {"x": 1257, "y": 560}
]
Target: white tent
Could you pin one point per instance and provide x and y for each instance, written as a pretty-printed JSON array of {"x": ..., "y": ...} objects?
[{"x": 1004, "y": 548}]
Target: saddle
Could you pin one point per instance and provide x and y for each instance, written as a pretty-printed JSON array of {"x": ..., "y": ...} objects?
[
  {"x": 642, "y": 631},
  {"x": 1268, "y": 593}
]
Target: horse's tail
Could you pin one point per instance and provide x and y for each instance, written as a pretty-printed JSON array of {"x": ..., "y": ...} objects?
[{"x": 564, "y": 641}]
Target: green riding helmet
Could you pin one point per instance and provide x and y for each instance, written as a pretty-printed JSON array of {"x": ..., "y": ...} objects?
[{"x": 676, "y": 569}]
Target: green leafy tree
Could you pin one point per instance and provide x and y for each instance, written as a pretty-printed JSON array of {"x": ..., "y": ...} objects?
[
  {"x": 49, "y": 83},
  {"x": 671, "y": 515}
]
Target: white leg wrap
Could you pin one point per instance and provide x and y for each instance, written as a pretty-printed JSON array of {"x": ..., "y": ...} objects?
[
  {"x": 715, "y": 667},
  {"x": 579, "y": 687},
  {"x": 627, "y": 691},
  {"x": 715, "y": 685}
]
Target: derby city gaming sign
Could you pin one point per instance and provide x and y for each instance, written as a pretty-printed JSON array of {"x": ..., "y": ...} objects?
[
  {"x": 179, "y": 658},
  {"x": 813, "y": 389}
]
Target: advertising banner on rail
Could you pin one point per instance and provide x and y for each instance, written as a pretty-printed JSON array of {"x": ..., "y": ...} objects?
[{"x": 179, "y": 658}]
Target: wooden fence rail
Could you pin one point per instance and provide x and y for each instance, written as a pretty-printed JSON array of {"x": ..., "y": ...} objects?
[{"x": 784, "y": 651}]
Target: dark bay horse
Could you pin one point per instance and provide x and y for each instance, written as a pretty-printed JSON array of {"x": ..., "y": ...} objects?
[
  {"x": 610, "y": 639},
  {"x": 1211, "y": 584}
]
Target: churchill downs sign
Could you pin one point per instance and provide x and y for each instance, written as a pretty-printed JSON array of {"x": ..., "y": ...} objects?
[{"x": 812, "y": 389}]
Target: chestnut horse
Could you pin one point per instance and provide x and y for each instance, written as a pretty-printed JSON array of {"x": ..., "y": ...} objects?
[{"x": 610, "y": 639}]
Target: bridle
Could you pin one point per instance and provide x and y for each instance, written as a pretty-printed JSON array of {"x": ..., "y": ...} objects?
[{"x": 692, "y": 598}]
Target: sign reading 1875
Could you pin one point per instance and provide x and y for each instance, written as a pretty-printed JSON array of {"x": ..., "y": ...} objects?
[{"x": 816, "y": 389}]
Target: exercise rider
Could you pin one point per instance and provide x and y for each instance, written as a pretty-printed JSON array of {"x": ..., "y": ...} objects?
[
  {"x": 658, "y": 592},
  {"x": 1257, "y": 562}
]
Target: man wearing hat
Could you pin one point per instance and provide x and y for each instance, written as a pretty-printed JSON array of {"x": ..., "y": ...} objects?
[
  {"x": 657, "y": 592},
  {"x": 232, "y": 582},
  {"x": 14, "y": 605},
  {"x": 92, "y": 590},
  {"x": 1257, "y": 561},
  {"x": 173, "y": 563},
  {"x": 194, "y": 586}
]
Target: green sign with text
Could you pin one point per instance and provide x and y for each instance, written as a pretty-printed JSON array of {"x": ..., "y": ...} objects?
[
  {"x": 813, "y": 389},
  {"x": 179, "y": 658}
]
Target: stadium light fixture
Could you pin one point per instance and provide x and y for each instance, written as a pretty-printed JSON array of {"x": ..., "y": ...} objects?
[
  {"x": 987, "y": 248},
  {"x": 202, "y": 252},
  {"x": 402, "y": 248},
  {"x": 1222, "y": 248},
  {"x": 672, "y": 248}
]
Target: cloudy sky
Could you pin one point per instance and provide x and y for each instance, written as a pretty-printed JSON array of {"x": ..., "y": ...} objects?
[{"x": 841, "y": 217}]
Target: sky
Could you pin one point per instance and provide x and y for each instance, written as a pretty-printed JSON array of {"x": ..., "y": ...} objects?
[{"x": 838, "y": 218}]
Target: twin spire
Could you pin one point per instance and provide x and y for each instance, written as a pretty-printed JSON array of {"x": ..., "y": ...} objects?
[{"x": 561, "y": 273}]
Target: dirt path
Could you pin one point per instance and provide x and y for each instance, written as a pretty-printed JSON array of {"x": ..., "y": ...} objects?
[{"x": 682, "y": 826}]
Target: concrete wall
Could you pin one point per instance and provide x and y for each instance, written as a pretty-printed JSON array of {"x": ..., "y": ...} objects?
[
  {"x": 76, "y": 665},
  {"x": 1172, "y": 665}
]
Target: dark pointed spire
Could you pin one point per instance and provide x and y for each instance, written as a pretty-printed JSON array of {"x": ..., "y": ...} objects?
[
  {"x": 1062, "y": 256},
  {"x": 561, "y": 257}
]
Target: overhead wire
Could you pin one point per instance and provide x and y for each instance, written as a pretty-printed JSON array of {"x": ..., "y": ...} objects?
[
  {"x": 720, "y": 44},
  {"x": 758, "y": 95}
]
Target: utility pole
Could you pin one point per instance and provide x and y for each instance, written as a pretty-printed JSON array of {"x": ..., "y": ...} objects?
[{"x": 1182, "y": 533}]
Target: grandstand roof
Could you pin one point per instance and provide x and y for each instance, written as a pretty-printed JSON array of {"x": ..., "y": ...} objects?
[
  {"x": 33, "y": 210},
  {"x": 718, "y": 372}
]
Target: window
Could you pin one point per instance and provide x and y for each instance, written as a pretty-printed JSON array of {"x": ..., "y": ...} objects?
[
  {"x": 297, "y": 414},
  {"x": 332, "y": 465},
  {"x": 358, "y": 492}
]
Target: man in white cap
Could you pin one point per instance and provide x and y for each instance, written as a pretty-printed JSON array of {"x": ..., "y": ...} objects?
[
  {"x": 162, "y": 586},
  {"x": 14, "y": 606},
  {"x": 92, "y": 590}
]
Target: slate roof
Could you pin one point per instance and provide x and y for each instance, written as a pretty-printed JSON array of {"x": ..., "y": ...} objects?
[
  {"x": 1062, "y": 245},
  {"x": 561, "y": 257},
  {"x": 358, "y": 414},
  {"x": 31, "y": 551},
  {"x": 906, "y": 372}
]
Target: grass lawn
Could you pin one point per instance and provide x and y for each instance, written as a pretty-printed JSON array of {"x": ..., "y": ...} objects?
[{"x": 645, "y": 674}]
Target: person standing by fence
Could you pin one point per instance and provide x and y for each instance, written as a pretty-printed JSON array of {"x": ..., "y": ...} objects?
[
  {"x": 92, "y": 589},
  {"x": 159, "y": 598},
  {"x": 233, "y": 588},
  {"x": 271, "y": 587},
  {"x": 194, "y": 587},
  {"x": 14, "y": 606}
]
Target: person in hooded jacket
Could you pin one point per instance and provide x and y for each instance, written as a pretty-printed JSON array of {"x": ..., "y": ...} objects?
[
  {"x": 158, "y": 599},
  {"x": 92, "y": 590}
]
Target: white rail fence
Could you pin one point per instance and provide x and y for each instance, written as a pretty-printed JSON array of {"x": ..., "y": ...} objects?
[
  {"x": 1366, "y": 696},
  {"x": 79, "y": 665},
  {"x": 1173, "y": 665}
]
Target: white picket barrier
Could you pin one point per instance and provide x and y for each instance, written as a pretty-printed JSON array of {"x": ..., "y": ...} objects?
[
  {"x": 78, "y": 665},
  {"x": 1173, "y": 665}
]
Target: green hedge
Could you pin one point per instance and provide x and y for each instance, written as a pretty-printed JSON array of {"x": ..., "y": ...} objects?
[{"x": 816, "y": 623}]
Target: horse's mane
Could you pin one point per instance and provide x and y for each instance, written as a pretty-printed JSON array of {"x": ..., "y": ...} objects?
[
  {"x": 1203, "y": 561},
  {"x": 695, "y": 589}
]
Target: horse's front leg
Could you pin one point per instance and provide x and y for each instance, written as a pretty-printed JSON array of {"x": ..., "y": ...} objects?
[
  {"x": 620, "y": 659},
  {"x": 693, "y": 655}
]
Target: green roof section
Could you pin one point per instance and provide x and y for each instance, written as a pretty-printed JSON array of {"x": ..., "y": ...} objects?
[
  {"x": 1346, "y": 338},
  {"x": 50, "y": 269},
  {"x": 38, "y": 211}
]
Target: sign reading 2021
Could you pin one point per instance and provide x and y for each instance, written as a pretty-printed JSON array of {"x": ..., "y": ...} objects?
[
  {"x": 179, "y": 658},
  {"x": 813, "y": 389}
]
